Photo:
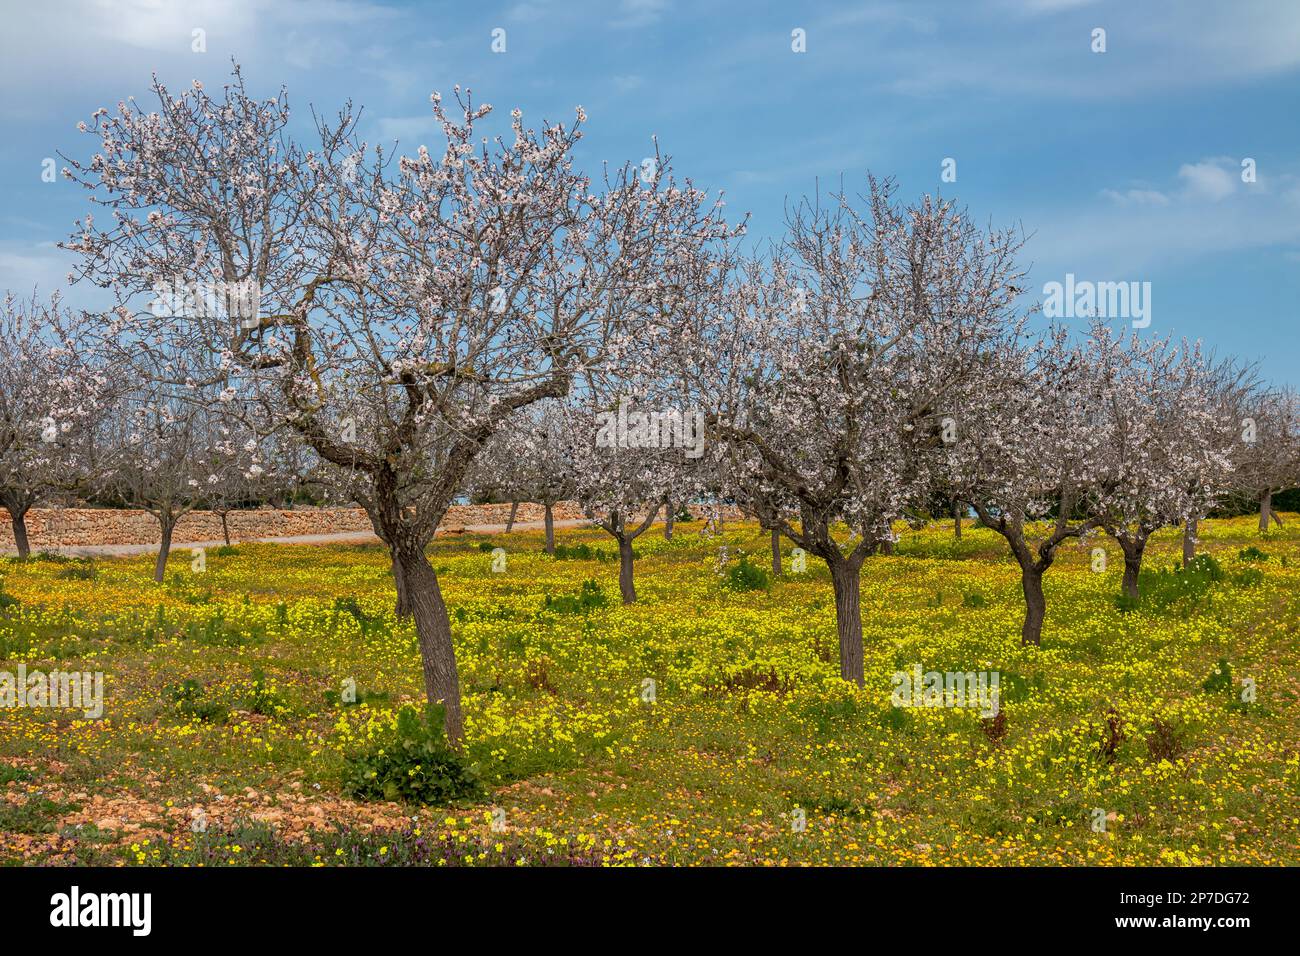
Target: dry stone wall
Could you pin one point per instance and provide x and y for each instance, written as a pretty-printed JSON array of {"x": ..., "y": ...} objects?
[{"x": 85, "y": 527}]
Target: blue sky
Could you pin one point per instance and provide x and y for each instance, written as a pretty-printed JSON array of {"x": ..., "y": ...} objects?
[{"x": 1123, "y": 165}]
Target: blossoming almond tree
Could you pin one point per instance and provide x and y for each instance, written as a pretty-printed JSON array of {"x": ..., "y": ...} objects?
[
  {"x": 1269, "y": 450},
  {"x": 531, "y": 459},
  {"x": 400, "y": 313},
  {"x": 628, "y": 464},
  {"x": 740, "y": 471},
  {"x": 168, "y": 452},
  {"x": 293, "y": 472},
  {"x": 50, "y": 394},
  {"x": 1165, "y": 448},
  {"x": 1020, "y": 452},
  {"x": 1228, "y": 386},
  {"x": 832, "y": 374},
  {"x": 240, "y": 475}
]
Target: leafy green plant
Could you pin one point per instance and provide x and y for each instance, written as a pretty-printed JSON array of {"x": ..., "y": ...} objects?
[
  {"x": 415, "y": 764},
  {"x": 367, "y": 622},
  {"x": 1221, "y": 681},
  {"x": 82, "y": 569},
  {"x": 577, "y": 552},
  {"x": 1126, "y": 603},
  {"x": 262, "y": 699},
  {"x": 591, "y": 597},
  {"x": 181, "y": 586},
  {"x": 1162, "y": 589},
  {"x": 12, "y": 774},
  {"x": 745, "y": 576},
  {"x": 217, "y": 632},
  {"x": 1220, "y": 678},
  {"x": 53, "y": 557},
  {"x": 1252, "y": 553},
  {"x": 38, "y": 815},
  {"x": 831, "y": 803},
  {"x": 1247, "y": 577},
  {"x": 189, "y": 699},
  {"x": 896, "y": 719},
  {"x": 585, "y": 552},
  {"x": 1016, "y": 688},
  {"x": 349, "y": 605},
  {"x": 829, "y": 714}
]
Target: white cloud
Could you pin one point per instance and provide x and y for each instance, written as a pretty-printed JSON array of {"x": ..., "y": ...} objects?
[
  {"x": 1144, "y": 227},
  {"x": 28, "y": 266},
  {"x": 1137, "y": 197},
  {"x": 526, "y": 12},
  {"x": 1208, "y": 180},
  {"x": 639, "y": 13},
  {"x": 98, "y": 44},
  {"x": 1051, "y": 6},
  {"x": 1041, "y": 48}
]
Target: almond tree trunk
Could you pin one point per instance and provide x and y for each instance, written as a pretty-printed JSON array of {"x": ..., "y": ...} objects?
[
  {"x": 956, "y": 520},
  {"x": 669, "y": 514},
  {"x": 18, "y": 516},
  {"x": 225, "y": 527},
  {"x": 1032, "y": 569},
  {"x": 846, "y": 579},
  {"x": 550, "y": 530},
  {"x": 1033, "y": 565},
  {"x": 776, "y": 552},
  {"x": 510, "y": 522},
  {"x": 168, "y": 524},
  {"x": 626, "y": 585},
  {"x": 433, "y": 633},
  {"x": 615, "y": 526},
  {"x": 1265, "y": 509},
  {"x": 1031, "y": 583},
  {"x": 419, "y": 595},
  {"x": 1034, "y": 562},
  {"x": 1132, "y": 568},
  {"x": 1189, "y": 540},
  {"x": 403, "y": 607},
  {"x": 1133, "y": 549}
]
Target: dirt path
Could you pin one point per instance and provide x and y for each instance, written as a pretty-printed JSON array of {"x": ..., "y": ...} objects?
[{"x": 338, "y": 537}]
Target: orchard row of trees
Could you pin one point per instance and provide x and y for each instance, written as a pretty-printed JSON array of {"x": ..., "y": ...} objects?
[{"x": 407, "y": 329}]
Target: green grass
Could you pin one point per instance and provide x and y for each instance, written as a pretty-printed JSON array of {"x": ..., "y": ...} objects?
[{"x": 263, "y": 679}]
